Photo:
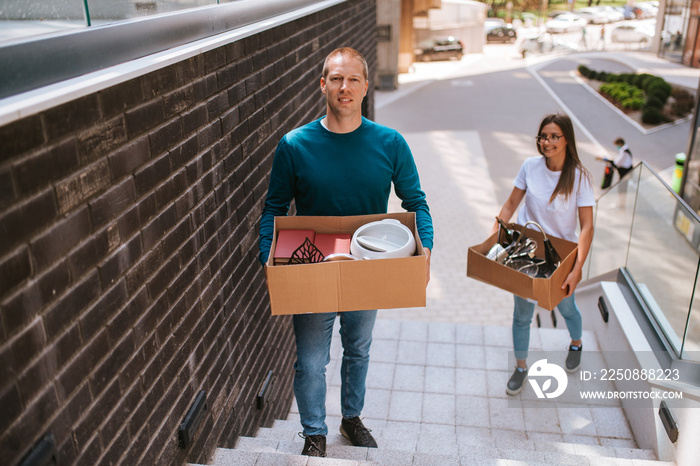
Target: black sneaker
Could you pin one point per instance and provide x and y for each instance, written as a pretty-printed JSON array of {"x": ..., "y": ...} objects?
[
  {"x": 357, "y": 433},
  {"x": 573, "y": 360},
  {"x": 516, "y": 381},
  {"x": 314, "y": 445}
]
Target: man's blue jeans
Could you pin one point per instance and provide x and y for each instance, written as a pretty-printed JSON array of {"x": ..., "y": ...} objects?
[
  {"x": 522, "y": 319},
  {"x": 313, "y": 336}
]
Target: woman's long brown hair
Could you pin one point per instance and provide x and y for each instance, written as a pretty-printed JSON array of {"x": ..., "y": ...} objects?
[{"x": 567, "y": 179}]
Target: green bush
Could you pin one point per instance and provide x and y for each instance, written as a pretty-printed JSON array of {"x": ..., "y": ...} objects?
[
  {"x": 680, "y": 93},
  {"x": 618, "y": 94},
  {"x": 627, "y": 77},
  {"x": 656, "y": 81},
  {"x": 641, "y": 91},
  {"x": 660, "y": 91},
  {"x": 632, "y": 103},
  {"x": 649, "y": 81},
  {"x": 682, "y": 107},
  {"x": 651, "y": 115},
  {"x": 644, "y": 80},
  {"x": 621, "y": 91},
  {"x": 658, "y": 95},
  {"x": 683, "y": 101},
  {"x": 653, "y": 101}
]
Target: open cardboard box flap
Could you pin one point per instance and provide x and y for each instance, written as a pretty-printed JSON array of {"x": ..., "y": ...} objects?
[
  {"x": 546, "y": 291},
  {"x": 346, "y": 285}
]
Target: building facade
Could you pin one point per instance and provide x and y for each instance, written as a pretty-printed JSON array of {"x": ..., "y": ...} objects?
[{"x": 130, "y": 290}]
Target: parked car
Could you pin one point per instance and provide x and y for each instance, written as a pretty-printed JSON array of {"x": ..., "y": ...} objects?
[
  {"x": 632, "y": 33},
  {"x": 541, "y": 43},
  {"x": 439, "y": 49},
  {"x": 502, "y": 34},
  {"x": 490, "y": 23},
  {"x": 614, "y": 15},
  {"x": 593, "y": 15},
  {"x": 555, "y": 13},
  {"x": 566, "y": 22}
]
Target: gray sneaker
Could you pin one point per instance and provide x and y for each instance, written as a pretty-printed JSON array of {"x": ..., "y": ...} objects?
[
  {"x": 516, "y": 381},
  {"x": 573, "y": 359}
]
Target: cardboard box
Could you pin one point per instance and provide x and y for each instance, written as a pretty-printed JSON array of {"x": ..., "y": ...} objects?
[
  {"x": 546, "y": 291},
  {"x": 352, "y": 285}
]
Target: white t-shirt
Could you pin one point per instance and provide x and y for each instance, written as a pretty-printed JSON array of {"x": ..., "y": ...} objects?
[
  {"x": 624, "y": 158},
  {"x": 558, "y": 218}
]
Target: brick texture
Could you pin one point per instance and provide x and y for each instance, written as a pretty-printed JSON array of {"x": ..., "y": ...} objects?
[{"x": 129, "y": 279}]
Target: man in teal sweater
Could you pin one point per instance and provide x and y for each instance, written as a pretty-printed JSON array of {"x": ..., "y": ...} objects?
[{"x": 341, "y": 164}]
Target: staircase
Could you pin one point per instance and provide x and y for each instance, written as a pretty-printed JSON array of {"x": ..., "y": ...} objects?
[{"x": 436, "y": 396}]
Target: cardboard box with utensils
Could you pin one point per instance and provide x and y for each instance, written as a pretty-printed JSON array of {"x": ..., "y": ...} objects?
[
  {"x": 348, "y": 285},
  {"x": 546, "y": 291}
]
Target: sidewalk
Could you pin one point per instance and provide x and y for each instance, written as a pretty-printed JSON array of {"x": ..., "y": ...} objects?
[{"x": 462, "y": 197}]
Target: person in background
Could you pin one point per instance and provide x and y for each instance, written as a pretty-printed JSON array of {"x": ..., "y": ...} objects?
[
  {"x": 558, "y": 191},
  {"x": 583, "y": 43},
  {"x": 338, "y": 165},
  {"x": 623, "y": 161}
]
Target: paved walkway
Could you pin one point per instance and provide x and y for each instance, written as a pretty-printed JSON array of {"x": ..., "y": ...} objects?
[
  {"x": 462, "y": 194},
  {"x": 439, "y": 389}
]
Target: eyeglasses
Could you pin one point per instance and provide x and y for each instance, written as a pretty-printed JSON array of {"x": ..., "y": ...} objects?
[{"x": 554, "y": 138}]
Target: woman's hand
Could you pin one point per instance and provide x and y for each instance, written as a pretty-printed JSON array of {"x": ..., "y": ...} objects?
[
  {"x": 585, "y": 215},
  {"x": 508, "y": 209},
  {"x": 571, "y": 282}
]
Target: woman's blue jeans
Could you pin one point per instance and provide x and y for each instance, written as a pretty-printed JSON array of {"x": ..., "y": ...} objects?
[
  {"x": 313, "y": 334},
  {"x": 522, "y": 320}
]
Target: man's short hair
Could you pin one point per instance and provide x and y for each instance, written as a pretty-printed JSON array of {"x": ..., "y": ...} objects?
[{"x": 347, "y": 52}]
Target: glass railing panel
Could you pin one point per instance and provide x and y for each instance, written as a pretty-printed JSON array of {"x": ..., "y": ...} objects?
[
  {"x": 662, "y": 259},
  {"x": 26, "y": 18},
  {"x": 614, "y": 213},
  {"x": 20, "y": 19},
  {"x": 106, "y": 11},
  {"x": 691, "y": 342},
  {"x": 640, "y": 224}
]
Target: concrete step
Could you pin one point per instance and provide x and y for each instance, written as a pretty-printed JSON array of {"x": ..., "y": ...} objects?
[
  {"x": 253, "y": 451},
  {"x": 281, "y": 445},
  {"x": 436, "y": 396},
  {"x": 408, "y": 437}
]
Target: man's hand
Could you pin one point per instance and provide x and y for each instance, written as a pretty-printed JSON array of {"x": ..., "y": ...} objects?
[{"x": 427, "y": 265}]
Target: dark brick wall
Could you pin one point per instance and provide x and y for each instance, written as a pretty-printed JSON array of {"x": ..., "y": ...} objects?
[{"x": 129, "y": 278}]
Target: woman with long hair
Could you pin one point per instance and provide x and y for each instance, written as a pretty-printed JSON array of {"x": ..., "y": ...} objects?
[{"x": 558, "y": 191}]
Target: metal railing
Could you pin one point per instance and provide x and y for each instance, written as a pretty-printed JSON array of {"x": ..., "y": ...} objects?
[{"x": 645, "y": 228}]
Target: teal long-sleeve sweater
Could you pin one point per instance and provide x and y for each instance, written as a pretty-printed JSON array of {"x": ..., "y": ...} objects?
[{"x": 333, "y": 174}]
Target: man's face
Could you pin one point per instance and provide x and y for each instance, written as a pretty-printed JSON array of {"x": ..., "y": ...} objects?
[{"x": 345, "y": 86}]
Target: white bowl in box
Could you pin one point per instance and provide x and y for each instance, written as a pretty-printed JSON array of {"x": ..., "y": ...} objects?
[{"x": 385, "y": 239}]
